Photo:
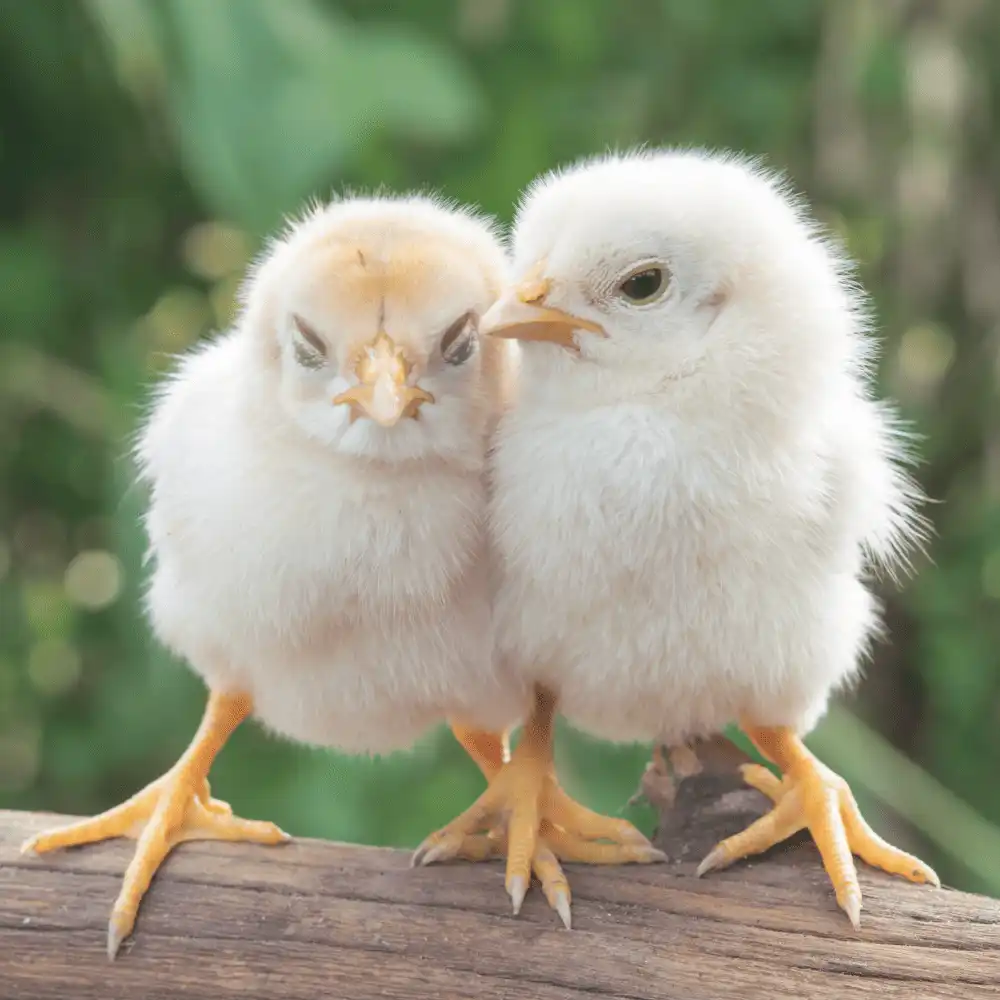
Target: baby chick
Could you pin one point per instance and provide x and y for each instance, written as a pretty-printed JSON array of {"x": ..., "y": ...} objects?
[
  {"x": 695, "y": 481},
  {"x": 317, "y": 510}
]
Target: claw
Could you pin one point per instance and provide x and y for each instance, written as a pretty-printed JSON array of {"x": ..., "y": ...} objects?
[
  {"x": 562, "y": 906},
  {"x": 852, "y": 907},
  {"x": 517, "y": 889},
  {"x": 429, "y": 854},
  {"x": 811, "y": 796},
  {"x": 175, "y": 808},
  {"x": 118, "y": 930},
  {"x": 715, "y": 859},
  {"x": 527, "y": 816}
]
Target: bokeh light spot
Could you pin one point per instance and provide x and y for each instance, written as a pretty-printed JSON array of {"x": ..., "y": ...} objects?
[
  {"x": 93, "y": 579},
  {"x": 177, "y": 319},
  {"x": 213, "y": 250}
]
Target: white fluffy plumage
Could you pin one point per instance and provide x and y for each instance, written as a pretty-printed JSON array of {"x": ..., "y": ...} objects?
[
  {"x": 687, "y": 508},
  {"x": 332, "y": 568},
  {"x": 317, "y": 516}
]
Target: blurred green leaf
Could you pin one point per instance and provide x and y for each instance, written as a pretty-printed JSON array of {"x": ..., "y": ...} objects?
[
  {"x": 415, "y": 87},
  {"x": 272, "y": 100}
]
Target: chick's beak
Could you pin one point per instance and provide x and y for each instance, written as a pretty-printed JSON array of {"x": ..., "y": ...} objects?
[
  {"x": 521, "y": 314},
  {"x": 382, "y": 392}
]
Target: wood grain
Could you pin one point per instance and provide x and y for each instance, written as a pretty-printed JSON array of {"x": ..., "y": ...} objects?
[{"x": 314, "y": 919}]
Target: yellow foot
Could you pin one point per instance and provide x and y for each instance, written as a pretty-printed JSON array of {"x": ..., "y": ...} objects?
[
  {"x": 174, "y": 808},
  {"x": 811, "y": 796},
  {"x": 165, "y": 813},
  {"x": 581, "y": 836},
  {"x": 525, "y": 815},
  {"x": 170, "y": 811}
]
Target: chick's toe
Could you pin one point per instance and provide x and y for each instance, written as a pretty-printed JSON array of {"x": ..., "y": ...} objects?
[
  {"x": 526, "y": 817},
  {"x": 174, "y": 808},
  {"x": 811, "y": 796}
]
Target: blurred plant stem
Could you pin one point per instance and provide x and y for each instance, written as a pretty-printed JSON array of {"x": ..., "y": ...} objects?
[{"x": 35, "y": 380}]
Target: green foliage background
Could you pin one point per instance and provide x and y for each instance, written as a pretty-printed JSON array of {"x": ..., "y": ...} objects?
[{"x": 147, "y": 146}]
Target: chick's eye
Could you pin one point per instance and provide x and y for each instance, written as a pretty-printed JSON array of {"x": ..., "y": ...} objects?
[
  {"x": 643, "y": 286},
  {"x": 459, "y": 341},
  {"x": 309, "y": 346}
]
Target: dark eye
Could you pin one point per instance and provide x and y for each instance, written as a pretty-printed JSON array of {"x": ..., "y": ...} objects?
[
  {"x": 644, "y": 285},
  {"x": 310, "y": 349},
  {"x": 459, "y": 341}
]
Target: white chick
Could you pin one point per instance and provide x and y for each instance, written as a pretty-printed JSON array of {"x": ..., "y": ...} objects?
[
  {"x": 694, "y": 482},
  {"x": 317, "y": 515}
]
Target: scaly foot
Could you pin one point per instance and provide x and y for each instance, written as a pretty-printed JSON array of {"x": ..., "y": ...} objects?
[
  {"x": 811, "y": 796},
  {"x": 612, "y": 842},
  {"x": 171, "y": 810},
  {"x": 525, "y": 815}
]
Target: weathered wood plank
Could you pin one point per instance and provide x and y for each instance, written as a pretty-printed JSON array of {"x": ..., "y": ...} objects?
[
  {"x": 314, "y": 919},
  {"x": 318, "y": 919}
]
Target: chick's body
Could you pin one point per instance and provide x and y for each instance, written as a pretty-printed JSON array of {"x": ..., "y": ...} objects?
[
  {"x": 347, "y": 597},
  {"x": 666, "y": 577},
  {"x": 317, "y": 511},
  {"x": 695, "y": 499},
  {"x": 695, "y": 482}
]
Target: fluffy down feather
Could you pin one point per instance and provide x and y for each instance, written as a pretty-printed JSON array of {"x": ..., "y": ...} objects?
[
  {"x": 686, "y": 509},
  {"x": 332, "y": 568}
]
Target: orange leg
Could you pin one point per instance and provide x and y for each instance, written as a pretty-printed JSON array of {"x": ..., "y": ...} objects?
[
  {"x": 527, "y": 816},
  {"x": 174, "y": 808},
  {"x": 488, "y": 751},
  {"x": 811, "y": 796}
]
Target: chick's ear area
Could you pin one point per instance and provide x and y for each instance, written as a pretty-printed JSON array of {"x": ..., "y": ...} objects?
[{"x": 459, "y": 341}]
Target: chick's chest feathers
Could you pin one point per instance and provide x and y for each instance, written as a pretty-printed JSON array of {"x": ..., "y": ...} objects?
[
  {"x": 347, "y": 597},
  {"x": 664, "y": 583}
]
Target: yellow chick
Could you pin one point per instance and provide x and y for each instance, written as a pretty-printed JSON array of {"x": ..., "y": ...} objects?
[{"x": 317, "y": 510}]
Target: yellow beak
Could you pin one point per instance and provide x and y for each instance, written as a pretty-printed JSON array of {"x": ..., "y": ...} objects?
[
  {"x": 382, "y": 393},
  {"x": 521, "y": 314}
]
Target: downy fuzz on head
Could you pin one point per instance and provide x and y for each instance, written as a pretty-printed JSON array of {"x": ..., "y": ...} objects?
[{"x": 363, "y": 323}]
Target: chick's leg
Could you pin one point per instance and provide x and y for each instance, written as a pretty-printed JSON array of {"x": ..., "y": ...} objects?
[
  {"x": 174, "y": 808},
  {"x": 490, "y": 752},
  {"x": 563, "y": 814},
  {"x": 525, "y": 815},
  {"x": 810, "y": 795}
]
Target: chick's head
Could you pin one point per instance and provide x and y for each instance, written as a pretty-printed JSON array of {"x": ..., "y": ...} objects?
[
  {"x": 367, "y": 319},
  {"x": 658, "y": 266}
]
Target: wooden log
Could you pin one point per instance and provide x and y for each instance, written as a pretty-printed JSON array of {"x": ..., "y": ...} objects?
[{"x": 314, "y": 919}]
